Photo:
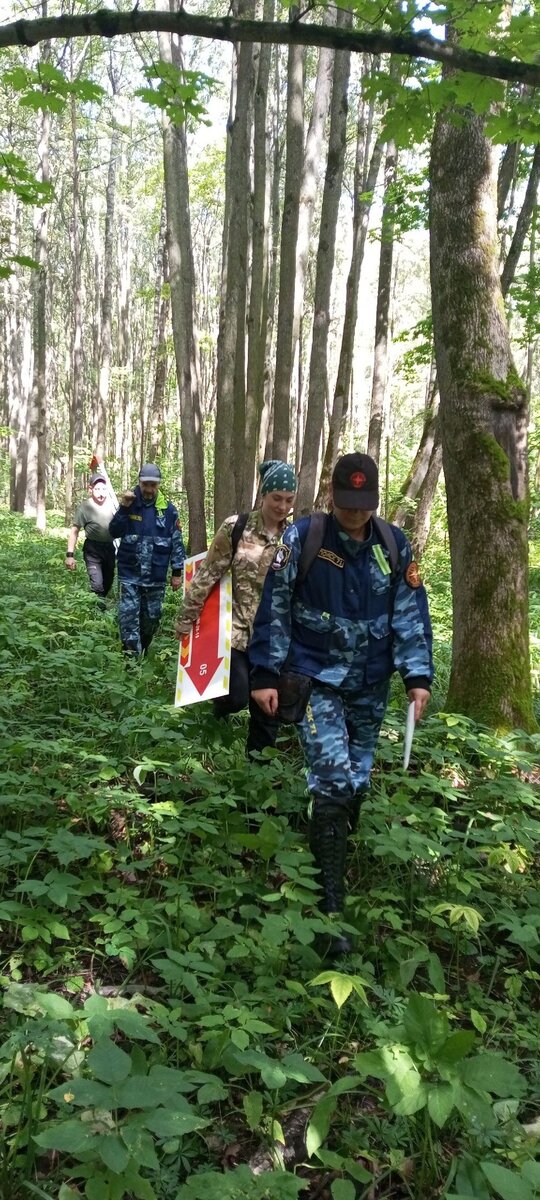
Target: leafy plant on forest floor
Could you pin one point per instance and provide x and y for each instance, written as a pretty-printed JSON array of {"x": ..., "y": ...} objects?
[{"x": 140, "y": 854}]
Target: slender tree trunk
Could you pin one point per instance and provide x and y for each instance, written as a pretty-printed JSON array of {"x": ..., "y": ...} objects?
[
  {"x": 156, "y": 424},
  {"x": 523, "y": 223},
  {"x": 77, "y": 234},
  {"x": 417, "y": 525},
  {"x": 483, "y": 415},
  {"x": 507, "y": 175},
  {"x": 148, "y": 429},
  {"x": 230, "y": 414},
  {"x": 37, "y": 440},
  {"x": 382, "y": 319},
  {"x": 318, "y": 368},
  {"x": 107, "y": 296},
  {"x": 266, "y": 429},
  {"x": 180, "y": 254},
  {"x": 258, "y": 299},
  {"x": 411, "y": 488},
  {"x": 312, "y": 171},
  {"x": 367, "y": 167},
  {"x": 287, "y": 263}
]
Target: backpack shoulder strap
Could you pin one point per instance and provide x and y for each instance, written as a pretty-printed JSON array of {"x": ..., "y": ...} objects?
[
  {"x": 312, "y": 544},
  {"x": 238, "y": 529},
  {"x": 388, "y": 539}
]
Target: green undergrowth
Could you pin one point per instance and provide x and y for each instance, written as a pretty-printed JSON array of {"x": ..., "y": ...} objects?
[{"x": 169, "y": 1028}]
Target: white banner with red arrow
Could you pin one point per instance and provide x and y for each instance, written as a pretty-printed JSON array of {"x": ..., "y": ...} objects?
[{"x": 204, "y": 660}]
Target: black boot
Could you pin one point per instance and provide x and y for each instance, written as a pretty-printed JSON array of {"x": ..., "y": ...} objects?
[{"x": 328, "y": 844}]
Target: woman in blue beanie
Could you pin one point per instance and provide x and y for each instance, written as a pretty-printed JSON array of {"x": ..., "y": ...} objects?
[{"x": 245, "y": 544}]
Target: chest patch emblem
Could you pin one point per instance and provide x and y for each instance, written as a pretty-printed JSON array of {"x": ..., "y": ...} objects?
[
  {"x": 281, "y": 558},
  {"x": 330, "y": 557},
  {"x": 412, "y": 575},
  {"x": 135, "y": 517}
]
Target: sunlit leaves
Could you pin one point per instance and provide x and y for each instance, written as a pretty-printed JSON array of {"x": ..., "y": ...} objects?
[
  {"x": 178, "y": 92},
  {"x": 46, "y": 87}
]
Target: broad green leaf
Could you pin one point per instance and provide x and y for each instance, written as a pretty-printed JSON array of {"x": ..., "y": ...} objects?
[
  {"x": 343, "y": 1189},
  {"x": 173, "y": 1124},
  {"x": 507, "y": 1184},
  {"x": 108, "y": 1062},
  {"x": 440, "y": 1103},
  {"x": 490, "y": 1072},
  {"x": 253, "y": 1108},
  {"x": 424, "y": 1024},
  {"x": 87, "y": 1093},
  {"x": 70, "y": 1136},
  {"x": 319, "y": 1125},
  {"x": 478, "y": 1021},
  {"x": 273, "y": 1075},
  {"x": 113, "y": 1153},
  {"x": 456, "y": 1047},
  {"x": 341, "y": 988},
  {"x": 56, "y": 1007}
]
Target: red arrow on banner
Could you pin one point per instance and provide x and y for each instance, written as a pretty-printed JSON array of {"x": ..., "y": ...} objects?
[{"x": 204, "y": 649}]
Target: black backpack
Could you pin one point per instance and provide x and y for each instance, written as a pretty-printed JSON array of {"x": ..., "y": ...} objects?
[{"x": 314, "y": 540}]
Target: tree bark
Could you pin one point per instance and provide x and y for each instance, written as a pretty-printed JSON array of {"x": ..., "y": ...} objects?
[
  {"x": 483, "y": 417},
  {"x": 258, "y": 298},
  {"x": 523, "y": 223},
  {"x": 287, "y": 262},
  {"x": 180, "y": 254},
  {"x": 36, "y": 481},
  {"x": 77, "y": 235},
  {"x": 111, "y": 23},
  {"x": 382, "y": 319},
  {"x": 311, "y": 173},
  {"x": 231, "y": 401},
  {"x": 367, "y": 167},
  {"x": 318, "y": 367},
  {"x": 107, "y": 297}
]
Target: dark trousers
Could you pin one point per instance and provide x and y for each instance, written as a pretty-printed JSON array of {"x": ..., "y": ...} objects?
[
  {"x": 263, "y": 730},
  {"x": 99, "y": 558}
]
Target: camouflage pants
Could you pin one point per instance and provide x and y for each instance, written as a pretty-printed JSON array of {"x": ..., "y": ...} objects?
[
  {"x": 139, "y": 613},
  {"x": 339, "y": 735}
]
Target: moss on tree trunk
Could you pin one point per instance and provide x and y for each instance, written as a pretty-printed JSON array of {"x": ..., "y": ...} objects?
[{"x": 483, "y": 417}]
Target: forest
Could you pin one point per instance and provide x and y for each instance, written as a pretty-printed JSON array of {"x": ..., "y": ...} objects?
[{"x": 269, "y": 231}]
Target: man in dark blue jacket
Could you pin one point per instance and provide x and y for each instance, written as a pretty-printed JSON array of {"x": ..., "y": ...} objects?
[
  {"x": 350, "y": 623},
  {"x": 150, "y": 538}
]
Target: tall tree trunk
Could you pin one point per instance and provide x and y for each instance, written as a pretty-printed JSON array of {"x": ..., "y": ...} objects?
[
  {"x": 318, "y": 367},
  {"x": 77, "y": 233},
  {"x": 483, "y": 417},
  {"x": 410, "y": 490},
  {"x": 258, "y": 298},
  {"x": 382, "y": 319},
  {"x": 231, "y": 364},
  {"x": 417, "y": 525},
  {"x": 523, "y": 223},
  {"x": 107, "y": 296},
  {"x": 149, "y": 422},
  {"x": 37, "y": 424},
  {"x": 180, "y": 254},
  {"x": 266, "y": 430},
  {"x": 506, "y": 176},
  {"x": 312, "y": 171},
  {"x": 16, "y": 318},
  {"x": 124, "y": 315},
  {"x": 156, "y": 424},
  {"x": 367, "y": 167},
  {"x": 287, "y": 263}
]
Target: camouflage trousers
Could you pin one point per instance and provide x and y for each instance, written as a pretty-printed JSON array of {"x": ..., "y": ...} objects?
[
  {"x": 339, "y": 736},
  {"x": 139, "y": 614}
]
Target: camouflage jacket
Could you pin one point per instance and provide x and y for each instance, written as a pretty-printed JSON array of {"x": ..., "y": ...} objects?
[
  {"x": 250, "y": 564},
  {"x": 351, "y": 622}
]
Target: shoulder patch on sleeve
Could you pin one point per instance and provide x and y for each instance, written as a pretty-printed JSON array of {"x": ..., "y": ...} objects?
[
  {"x": 412, "y": 575},
  {"x": 281, "y": 558}
]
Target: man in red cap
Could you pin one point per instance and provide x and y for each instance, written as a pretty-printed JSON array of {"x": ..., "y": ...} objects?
[{"x": 357, "y": 614}]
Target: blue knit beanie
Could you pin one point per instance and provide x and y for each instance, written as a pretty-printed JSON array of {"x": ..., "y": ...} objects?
[{"x": 277, "y": 476}]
